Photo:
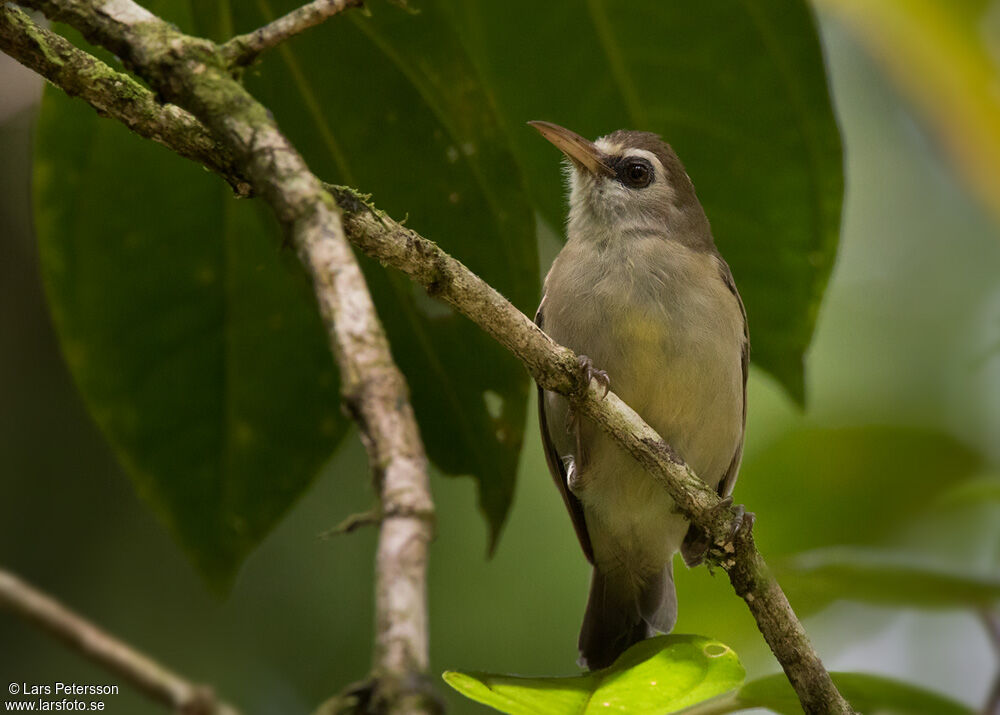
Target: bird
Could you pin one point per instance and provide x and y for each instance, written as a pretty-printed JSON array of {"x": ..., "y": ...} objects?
[{"x": 641, "y": 293}]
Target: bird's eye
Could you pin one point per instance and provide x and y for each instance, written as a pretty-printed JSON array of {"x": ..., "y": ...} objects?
[{"x": 636, "y": 173}]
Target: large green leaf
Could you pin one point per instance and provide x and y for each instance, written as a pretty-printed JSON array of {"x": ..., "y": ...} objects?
[
  {"x": 869, "y": 694},
  {"x": 191, "y": 336},
  {"x": 815, "y": 578},
  {"x": 657, "y": 676},
  {"x": 739, "y": 90},
  {"x": 195, "y": 340},
  {"x": 391, "y": 104}
]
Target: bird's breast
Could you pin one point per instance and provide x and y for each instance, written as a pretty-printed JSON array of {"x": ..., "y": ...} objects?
[{"x": 661, "y": 321}]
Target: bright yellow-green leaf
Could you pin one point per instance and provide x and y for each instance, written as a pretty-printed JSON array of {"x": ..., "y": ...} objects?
[{"x": 657, "y": 676}]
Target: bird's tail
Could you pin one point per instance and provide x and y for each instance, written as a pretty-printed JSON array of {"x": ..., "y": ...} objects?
[{"x": 619, "y": 615}]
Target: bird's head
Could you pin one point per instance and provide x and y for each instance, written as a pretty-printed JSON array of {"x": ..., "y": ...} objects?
[{"x": 628, "y": 184}]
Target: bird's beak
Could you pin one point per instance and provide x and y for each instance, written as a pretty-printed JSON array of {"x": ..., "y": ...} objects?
[{"x": 581, "y": 152}]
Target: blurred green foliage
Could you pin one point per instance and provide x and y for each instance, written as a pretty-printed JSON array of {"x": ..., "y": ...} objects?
[
  {"x": 943, "y": 56},
  {"x": 815, "y": 578},
  {"x": 867, "y": 693}
]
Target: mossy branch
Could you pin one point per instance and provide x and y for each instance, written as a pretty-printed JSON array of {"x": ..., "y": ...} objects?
[{"x": 114, "y": 94}]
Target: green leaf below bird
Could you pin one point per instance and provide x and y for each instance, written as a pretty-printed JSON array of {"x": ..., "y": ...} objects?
[
  {"x": 689, "y": 674},
  {"x": 657, "y": 676}
]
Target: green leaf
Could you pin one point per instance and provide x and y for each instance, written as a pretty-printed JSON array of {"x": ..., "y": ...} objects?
[
  {"x": 191, "y": 335},
  {"x": 739, "y": 90},
  {"x": 869, "y": 694},
  {"x": 195, "y": 340},
  {"x": 657, "y": 676},
  {"x": 391, "y": 104},
  {"x": 816, "y": 578}
]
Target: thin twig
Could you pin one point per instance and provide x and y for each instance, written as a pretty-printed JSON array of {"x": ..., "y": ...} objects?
[
  {"x": 554, "y": 367},
  {"x": 243, "y": 50},
  {"x": 352, "y": 523},
  {"x": 155, "y": 680}
]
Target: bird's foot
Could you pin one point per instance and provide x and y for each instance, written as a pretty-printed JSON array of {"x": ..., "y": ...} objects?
[
  {"x": 697, "y": 546},
  {"x": 741, "y": 523},
  {"x": 592, "y": 373}
]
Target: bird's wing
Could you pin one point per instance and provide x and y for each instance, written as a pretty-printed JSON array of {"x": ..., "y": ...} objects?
[
  {"x": 558, "y": 470},
  {"x": 729, "y": 480}
]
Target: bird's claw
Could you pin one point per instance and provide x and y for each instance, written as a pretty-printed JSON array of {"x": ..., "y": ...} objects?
[
  {"x": 592, "y": 373},
  {"x": 741, "y": 523},
  {"x": 699, "y": 546}
]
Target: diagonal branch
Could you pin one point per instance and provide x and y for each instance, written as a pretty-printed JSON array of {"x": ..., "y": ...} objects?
[
  {"x": 155, "y": 680},
  {"x": 243, "y": 50},
  {"x": 555, "y": 368}
]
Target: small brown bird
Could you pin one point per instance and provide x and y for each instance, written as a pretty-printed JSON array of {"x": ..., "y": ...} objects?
[{"x": 641, "y": 289}]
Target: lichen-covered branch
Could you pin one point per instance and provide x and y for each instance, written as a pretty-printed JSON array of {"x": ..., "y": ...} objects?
[
  {"x": 192, "y": 73},
  {"x": 243, "y": 50},
  {"x": 155, "y": 680},
  {"x": 147, "y": 46},
  {"x": 113, "y": 94}
]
